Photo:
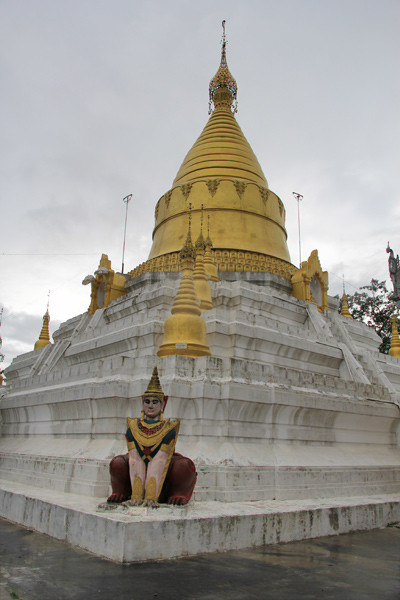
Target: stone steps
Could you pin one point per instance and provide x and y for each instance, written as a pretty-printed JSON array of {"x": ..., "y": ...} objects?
[{"x": 140, "y": 534}]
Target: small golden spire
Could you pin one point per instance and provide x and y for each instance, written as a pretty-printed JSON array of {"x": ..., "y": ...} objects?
[
  {"x": 200, "y": 243},
  {"x": 44, "y": 337},
  {"x": 344, "y": 311},
  {"x": 201, "y": 283},
  {"x": 188, "y": 253},
  {"x": 209, "y": 264},
  {"x": 395, "y": 345},
  {"x": 184, "y": 329},
  {"x": 223, "y": 87}
]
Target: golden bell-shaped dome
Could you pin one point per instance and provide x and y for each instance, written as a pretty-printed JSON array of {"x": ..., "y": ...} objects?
[{"x": 222, "y": 173}]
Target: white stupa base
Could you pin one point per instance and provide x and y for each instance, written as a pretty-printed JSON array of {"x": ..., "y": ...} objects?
[{"x": 140, "y": 534}]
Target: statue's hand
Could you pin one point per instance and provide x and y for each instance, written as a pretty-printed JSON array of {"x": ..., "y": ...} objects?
[
  {"x": 133, "y": 502},
  {"x": 151, "y": 503},
  {"x": 177, "y": 500},
  {"x": 116, "y": 498}
]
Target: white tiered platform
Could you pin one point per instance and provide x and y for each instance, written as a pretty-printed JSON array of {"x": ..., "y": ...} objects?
[{"x": 294, "y": 411}]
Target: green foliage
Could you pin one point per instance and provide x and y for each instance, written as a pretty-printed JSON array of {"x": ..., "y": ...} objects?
[{"x": 374, "y": 306}]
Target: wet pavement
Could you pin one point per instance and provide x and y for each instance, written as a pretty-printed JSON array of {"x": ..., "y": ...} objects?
[{"x": 355, "y": 566}]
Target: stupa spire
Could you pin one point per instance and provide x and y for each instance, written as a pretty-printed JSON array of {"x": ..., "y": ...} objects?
[
  {"x": 201, "y": 284},
  {"x": 44, "y": 337},
  {"x": 184, "y": 329},
  {"x": 209, "y": 264},
  {"x": 395, "y": 344},
  {"x": 223, "y": 87},
  {"x": 344, "y": 311}
]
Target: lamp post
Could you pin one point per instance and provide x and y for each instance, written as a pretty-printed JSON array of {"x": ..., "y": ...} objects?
[
  {"x": 298, "y": 197},
  {"x": 126, "y": 200}
]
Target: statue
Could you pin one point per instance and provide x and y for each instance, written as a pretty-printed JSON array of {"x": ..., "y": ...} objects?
[
  {"x": 394, "y": 270},
  {"x": 152, "y": 472}
]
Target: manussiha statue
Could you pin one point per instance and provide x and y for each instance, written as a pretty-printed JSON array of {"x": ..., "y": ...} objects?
[{"x": 152, "y": 472}]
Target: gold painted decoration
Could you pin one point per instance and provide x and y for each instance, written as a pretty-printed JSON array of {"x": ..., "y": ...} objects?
[
  {"x": 185, "y": 189},
  {"x": 240, "y": 187},
  {"x": 395, "y": 344},
  {"x": 151, "y": 489},
  {"x": 212, "y": 185},
  {"x": 167, "y": 198},
  {"x": 225, "y": 260},
  {"x": 310, "y": 282},
  {"x": 149, "y": 436},
  {"x": 106, "y": 285},
  {"x": 137, "y": 488},
  {"x": 263, "y": 194}
]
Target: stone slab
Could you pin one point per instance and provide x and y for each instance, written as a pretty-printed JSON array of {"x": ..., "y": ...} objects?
[{"x": 140, "y": 534}]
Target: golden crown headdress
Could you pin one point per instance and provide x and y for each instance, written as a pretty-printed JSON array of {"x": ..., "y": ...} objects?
[{"x": 154, "y": 387}]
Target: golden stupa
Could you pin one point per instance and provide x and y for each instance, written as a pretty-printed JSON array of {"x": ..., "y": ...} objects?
[
  {"x": 44, "y": 336},
  {"x": 222, "y": 173},
  {"x": 184, "y": 329}
]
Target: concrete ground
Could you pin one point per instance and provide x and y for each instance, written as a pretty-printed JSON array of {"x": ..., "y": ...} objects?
[{"x": 355, "y": 566}]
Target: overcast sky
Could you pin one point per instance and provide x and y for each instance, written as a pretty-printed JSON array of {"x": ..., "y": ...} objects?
[{"x": 103, "y": 98}]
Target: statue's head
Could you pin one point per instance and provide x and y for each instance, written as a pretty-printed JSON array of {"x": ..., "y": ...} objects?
[
  {"x": 152, "y": 407},
  {"x": 154, "y": 399}
]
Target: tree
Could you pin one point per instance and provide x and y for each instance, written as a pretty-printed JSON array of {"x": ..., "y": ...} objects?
[{"x": 374, "y": 306}]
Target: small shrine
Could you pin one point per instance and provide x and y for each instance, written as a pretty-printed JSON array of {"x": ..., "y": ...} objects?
[{"x": 310, "y": 282}]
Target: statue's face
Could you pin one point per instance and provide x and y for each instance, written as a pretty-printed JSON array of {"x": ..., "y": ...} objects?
[{"x": 152, "y": 407}]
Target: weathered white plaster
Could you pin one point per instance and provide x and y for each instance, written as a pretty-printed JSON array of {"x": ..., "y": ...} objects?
[
  {"x": 139, "y": 534},
  {"x": 292, "y": 404}
]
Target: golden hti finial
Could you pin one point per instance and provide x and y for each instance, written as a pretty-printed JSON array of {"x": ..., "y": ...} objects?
[
  {"x": 395, "y": 344},
  {"x": 209, "y": 264},
  {"x": 344, "y": 309},
  {"x": 184, "y": 329},
  {"x": 223, "y": 87},
  {"x": 201, "y": 283},
  {"x": 44, "y": 337}
]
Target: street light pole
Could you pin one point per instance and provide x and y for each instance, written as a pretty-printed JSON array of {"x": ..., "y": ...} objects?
[
  {"x": 298, "y": 197},
  {"x": 127, "y": 199}
]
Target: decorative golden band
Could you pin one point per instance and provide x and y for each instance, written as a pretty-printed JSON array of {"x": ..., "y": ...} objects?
[{"x": 226, "y": 260}]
